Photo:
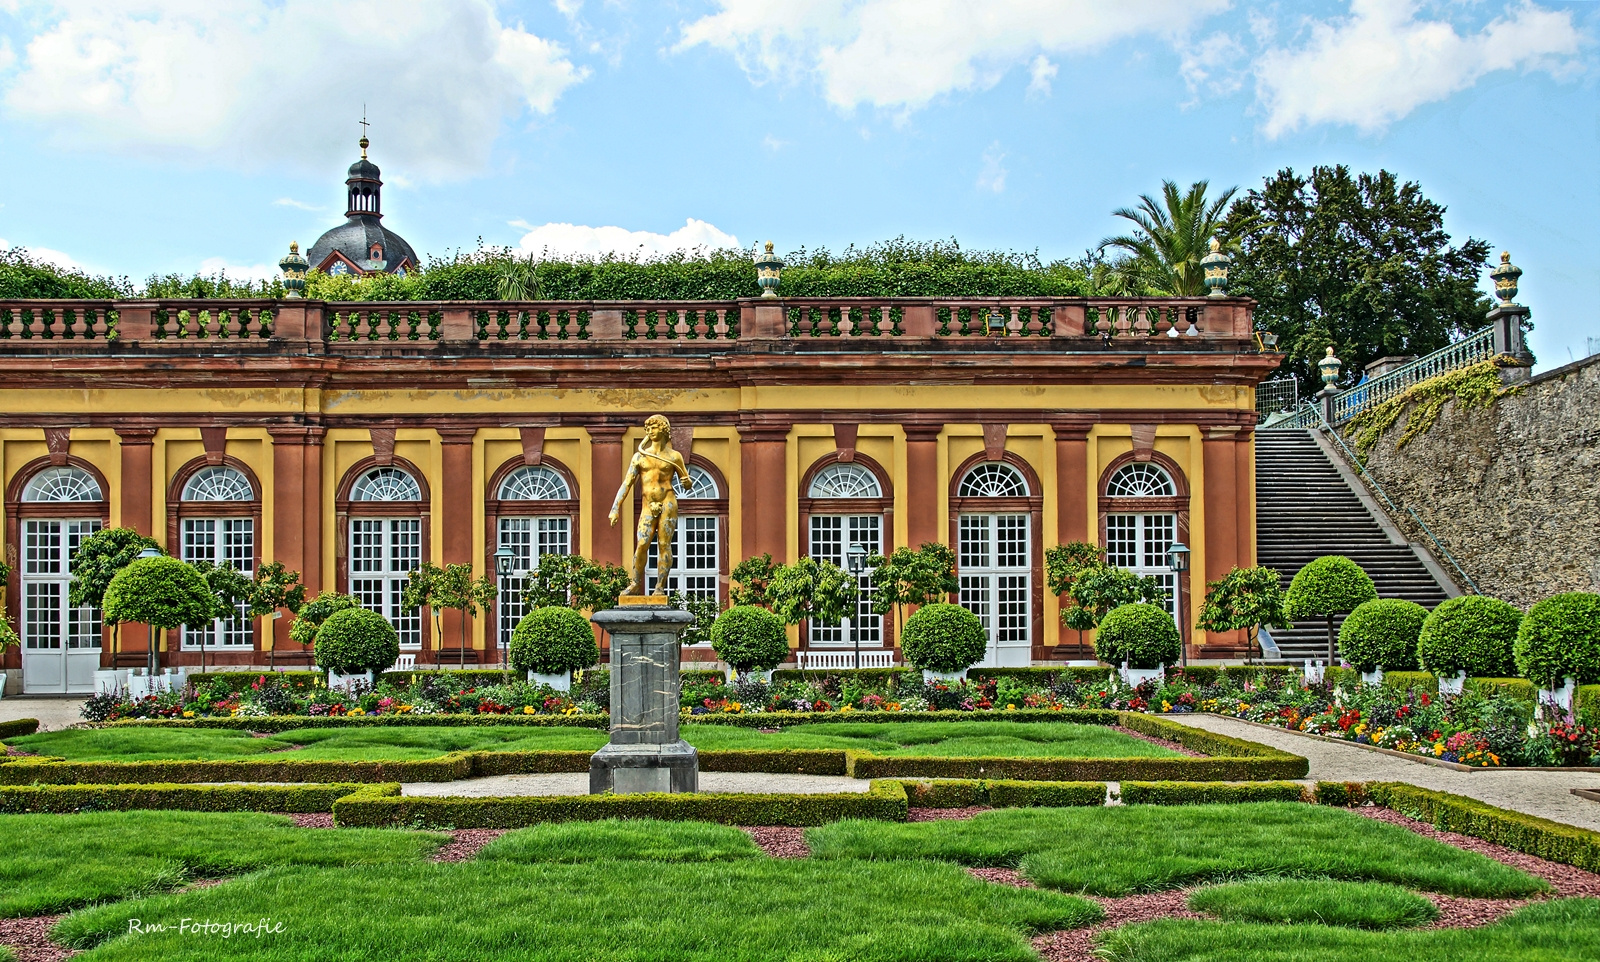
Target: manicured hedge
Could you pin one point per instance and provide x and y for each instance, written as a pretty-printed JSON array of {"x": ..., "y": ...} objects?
[
  {"x": 1210, "y": 743},
  {"x": 885, "y": 801},
  {"x": 39, "y": 771},
  {"x": 868, "y": 675},
  {"x": 962, "y": 793},
  {"x": 1080, "y": 716},
  {"x": 470, "y": 677},
  {"x": 1586, "y": 704},
  {"x": 275, "y": 724},
  {"x": 1209, "y": 793},
  {"x": 862, "y": 765},
  {"x": 18, "y": 726},
  {"x": 1518, "y": 688},
  {"x": 1210, "y": 674},
  {"x": 1348, "y": 677},
  {"x": 1043, "y": 676},
  {"x": 1341, "y": 794},
  {"x": 700, "y": 676},
  {"x": 1468, "y": 816},
  {"x": 17, "y": 800},
  {"x": 1411, "y": 681}
]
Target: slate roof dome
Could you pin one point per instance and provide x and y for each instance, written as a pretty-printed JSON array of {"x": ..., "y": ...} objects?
[{"x": 362, "y": 245}]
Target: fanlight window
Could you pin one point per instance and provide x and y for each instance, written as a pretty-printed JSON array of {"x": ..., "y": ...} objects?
[
  {"x": 1140, "y": 480},
  {"x": 534, "y": 484},
  {"x": 218, "y": 484},
  {"x": 63, "y": 484},
  {"x": 845, "y": 481},
  {"x": 386, "y": 484},
  {"x": 995, "y": 479},
  {"x": 701, "y": 484}
]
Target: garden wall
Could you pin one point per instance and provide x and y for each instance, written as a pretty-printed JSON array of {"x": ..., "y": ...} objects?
[{"x": 1510, "y": 490}]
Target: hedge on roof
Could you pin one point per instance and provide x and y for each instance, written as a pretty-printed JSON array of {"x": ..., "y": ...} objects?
[
  {"x": 1382, "y": 633},
  {"x": 553, "y": 640},
  {"x": 1560, "y": 638},
  {"x": 943, "y": 638},
  {"x": 1471, "y": 634},
  {"x": 23, "y": 799}
]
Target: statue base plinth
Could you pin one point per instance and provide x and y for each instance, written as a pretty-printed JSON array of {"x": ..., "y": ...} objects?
[
  {"x": 646, "y": 753},
  {"x": 654, "y": 601}
]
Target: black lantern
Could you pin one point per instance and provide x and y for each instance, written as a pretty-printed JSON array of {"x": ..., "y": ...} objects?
[
  {"x": 504, "y": 558},
  {"x": 855, "y": 558}
]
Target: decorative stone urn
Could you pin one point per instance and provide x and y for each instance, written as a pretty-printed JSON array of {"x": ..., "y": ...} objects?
[{"x": 646, "y": 753}]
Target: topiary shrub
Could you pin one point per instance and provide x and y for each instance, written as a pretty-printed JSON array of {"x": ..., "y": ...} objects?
[
  {"x": 749, "y": 638},
  {"x": 1560, "y": 638},
  {"x": 356, "y": 640},
  {"x": 553, "y": 641},
  {"x": 1142, "y": 634},
  {"x": 1471, "y": 634},
  {"x": 1382, "y": 634},
  {"x": 1330, "y": 585},
  {"x": 944, "y": 638},
  {"x": 163, "y": 592}
]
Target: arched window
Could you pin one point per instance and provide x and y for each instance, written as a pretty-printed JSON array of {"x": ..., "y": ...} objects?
[
  {"x": 534, "y": 484},
  {"x": 385, "y": 549},
  {"x": 701, "y": 484},
  {"x": 993, "y": 479},
  {"x": 994, "y": 556},
  {"x": 218, "y": 483},
  {"x": 63, "y": 484},
  {"x": 845, "y": 481},
  {"x": 1140, "y": 479},
  {"x": 213, "y": 520}
]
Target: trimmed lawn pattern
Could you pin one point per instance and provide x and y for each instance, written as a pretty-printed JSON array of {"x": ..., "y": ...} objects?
[
  {"x": 1564, "y": 929},
  {"x": 639, "y": 840},
  {"x": 1358, "y": 905},
  {"x": 49, "y": 863},
  {"x": 1142, "y": 848},
  {"x": 747, "y": 911},
  {"x": 944, "y": 739}
]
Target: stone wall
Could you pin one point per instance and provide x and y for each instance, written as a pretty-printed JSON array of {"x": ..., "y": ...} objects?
[{"x": 1512, "y": 491}]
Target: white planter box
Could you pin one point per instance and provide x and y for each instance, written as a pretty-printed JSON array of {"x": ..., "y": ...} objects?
[
  {"x": 1372, "y": 677},
  {"x": 140, "y": 686},
  {"x": 1134, "y": 677},
  {"x": 2, "y": 684},
  {"x": 1452, "y": 685},
  {"x": 109, "y": 681},
  {"x": 340, "y": 682},
  {"x": 929, "y": 677},
  {"x": 1558, "y": 698},
  {"x": 1314, "y": 672},
  {"x": 561, "y": 682}
]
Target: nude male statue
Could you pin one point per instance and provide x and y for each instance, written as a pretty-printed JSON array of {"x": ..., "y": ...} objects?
[{"x": 654, "y": 466}]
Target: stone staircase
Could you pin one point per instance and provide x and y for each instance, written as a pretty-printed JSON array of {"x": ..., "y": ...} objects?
[{"x": 1304, "y": 510}]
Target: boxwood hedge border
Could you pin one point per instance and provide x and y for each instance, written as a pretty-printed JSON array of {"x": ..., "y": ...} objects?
[
  {"x": 18, "y": 726},
  {"x": 67, "y": 799}
]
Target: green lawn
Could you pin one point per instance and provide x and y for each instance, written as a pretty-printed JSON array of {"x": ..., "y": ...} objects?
[
  {"x": 1566, "y": 929},
  {"x": 964, "y": 739},
  {"x": 1357, "y": 905},
  {"x": 1120, "y": 850},
  {"x": 619, "y": 840},
  {"x": 759, "y": 910},
  {"x": 52, "y": 862}
]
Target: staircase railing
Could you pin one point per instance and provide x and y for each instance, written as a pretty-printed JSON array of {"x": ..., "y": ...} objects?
[{"x": 1351, "y": 459}]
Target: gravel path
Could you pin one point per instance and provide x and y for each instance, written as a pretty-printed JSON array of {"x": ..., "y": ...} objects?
[
  {"x": 52, "y": 712},
  {"x": 577, "y": 783},
  {"x": 780, "y": 841},
  {"x": 466, "y": 842},
  {"x": 1544, "y": 794},
  {"x": 29, "y": 939}
]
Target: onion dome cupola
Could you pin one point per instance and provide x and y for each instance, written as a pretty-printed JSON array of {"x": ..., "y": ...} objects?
[{"x": 362, "y": 245}]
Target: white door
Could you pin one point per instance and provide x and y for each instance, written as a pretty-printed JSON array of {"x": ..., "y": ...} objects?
[
  {"x": 222, "y": 541},
  {"x": 1139, "y": 543},
  {"x": 831, "y": 536},
  {"x": 996, "y": 582},
  {"x": 383, "y": 553},
  {"x": 60, "y": 644},
  {"x": 529, "y": 540}
]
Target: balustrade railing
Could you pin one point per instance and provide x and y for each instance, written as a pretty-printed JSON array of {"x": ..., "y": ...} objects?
[{"x": 423, "y": 325}]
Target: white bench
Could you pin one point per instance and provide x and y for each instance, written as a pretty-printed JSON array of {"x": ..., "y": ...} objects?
[
  {"x": 842, "y": 660},
  {"x": 405, "y": 663}
]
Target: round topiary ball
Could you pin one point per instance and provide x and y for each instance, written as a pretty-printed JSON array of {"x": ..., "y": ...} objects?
[
  {"x": 1330, "y": 585},
  {"x": 553, "y": 640},
  {"x": 1382, "y": 634},
  {"x": 356, "y": 640},
  {"x": 1142, "y": 634},
  {"x": 1471, "y": 634},
  {"x": 944, "y": 638},
  {"x": 1559, "y": 639},
  {"x": 163, "y": 592},
  {"x": 749, "y": 638}
]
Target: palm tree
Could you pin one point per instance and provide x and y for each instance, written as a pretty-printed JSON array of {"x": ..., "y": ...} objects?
[{"x": 1164, "y": 252}]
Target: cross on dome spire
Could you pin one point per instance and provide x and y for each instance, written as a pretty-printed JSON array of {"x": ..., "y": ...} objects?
[{"x": 363, "y": 141}]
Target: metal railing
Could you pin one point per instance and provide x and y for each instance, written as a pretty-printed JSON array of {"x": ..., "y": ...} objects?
[
  {"x": 1463, "y": 353},
  {"x": 1280, "y": 394}
]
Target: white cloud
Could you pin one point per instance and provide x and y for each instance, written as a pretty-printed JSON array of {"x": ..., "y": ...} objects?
[
  {"x": 993, "y": 175},
  {"x": 902, "y": 54},
  {"x": 296, "y": 204},
  {"x": 1382, "y": 62},
  {"x": 1212, "y": 66},
  {"x": 1041, "y": 72},
  {"x": 773, "y": 143},
  {"x": 575, "y": 239},
  {"x": 45, "y": 255},
  {"x": 8, "y": 56},
  {"x": 263, "y": 84},
  {"x": 212, "y": 266}
]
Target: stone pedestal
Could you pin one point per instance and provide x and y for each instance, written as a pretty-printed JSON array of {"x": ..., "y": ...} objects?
[{"x": 645, "y": 753}]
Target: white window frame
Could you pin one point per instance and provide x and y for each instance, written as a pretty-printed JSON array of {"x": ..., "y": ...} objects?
[
  {"x": 867, "y": 529},
  {"x": 1138, "y": 541},
  {"x": 530, "y": 537},
  {"x": 230, "y": 541},
  {"x": 993, "y": 570},
  {"x": 381, "y": 588}
]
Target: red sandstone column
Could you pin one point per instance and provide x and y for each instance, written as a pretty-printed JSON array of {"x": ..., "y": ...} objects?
[
  {"x": 923, "y": 483},
  {"x": 1072, "y": 482},
  {"x": 605, "y": 473},
  {"x": 764, "y": 490},
  {"x": 137, "y": 446},
  {"x": 456, "y": 527},
  {"x": 1222, "y": 527},
  {"x": 1244, "y": 466},
  {"x": 296, "y": 514}
]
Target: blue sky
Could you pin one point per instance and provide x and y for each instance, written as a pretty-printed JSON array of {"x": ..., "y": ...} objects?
[{"x": 147, "y": 136}]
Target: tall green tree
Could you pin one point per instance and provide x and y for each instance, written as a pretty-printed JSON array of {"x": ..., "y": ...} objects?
[
  {"x": 1247, "y": 599},
  {"x": 809, "y": 588},
  {"x": 912, "y": 577},
  {"x": 276, "y": 586},
  {"x": 1359, "y": 262},
  {"x": 98, "y": 559},
  {"x": 1169, "y": 238},
  {"x": 573, "y": 581},
  {"x": 451, "y": 588}
]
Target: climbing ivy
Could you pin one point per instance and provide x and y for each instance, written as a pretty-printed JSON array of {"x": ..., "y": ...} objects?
[{"x": 1472, "y": 387}]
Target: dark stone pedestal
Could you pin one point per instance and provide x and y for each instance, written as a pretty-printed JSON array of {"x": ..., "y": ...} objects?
[{"x": 645, "y": 753}]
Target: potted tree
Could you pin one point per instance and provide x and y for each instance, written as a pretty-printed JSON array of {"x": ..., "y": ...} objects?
[
  {"x": 1063, "y": 565},
  {"x": 1380, "y": 636},
  {"x": 1330, "y": 585},
  {"x": 277, "y": 588},
  {"x": 750, "y": 638},
  {"x": 551, "y": 643},
  {"x": 1142, "y": 637},
  {"x": 910, "y": 578},
  {"x": 98, "y": 559},
  {"x": 230, "y": 587},
  {"x": 1470, "y": 636},
  {"x": 811, "y": 590},
  {"x": 164, "y": 593},
  {"x": 1558, "y": 646},
  {"x": 449, "y": 588},
  {"x": 8, "y": 641},
  {"x": 1245, "y": 599},
  {"x": 355, "y": 644},
  {"x": 943, "y": 640},
  {"x": 314, "y": 613}
]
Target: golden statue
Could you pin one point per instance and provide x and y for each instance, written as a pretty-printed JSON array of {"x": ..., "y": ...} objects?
[{"x": 655, "y": 466}]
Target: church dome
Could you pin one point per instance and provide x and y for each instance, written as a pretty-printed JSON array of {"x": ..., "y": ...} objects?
[{"x": 362, "y": 245}]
